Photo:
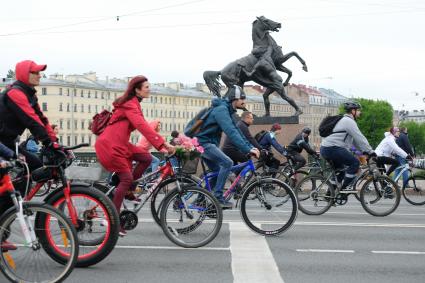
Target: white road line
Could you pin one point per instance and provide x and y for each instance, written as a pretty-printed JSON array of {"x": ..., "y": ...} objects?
[
  {"x": 399, "y": 252},
  {"x": 172, "y": 248},
  {"x": 323, "y": 251},
  {"x": 252, "y": 260}
]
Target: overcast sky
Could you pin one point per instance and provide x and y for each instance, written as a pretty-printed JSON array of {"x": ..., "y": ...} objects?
[{"x": 373, "y": 49}]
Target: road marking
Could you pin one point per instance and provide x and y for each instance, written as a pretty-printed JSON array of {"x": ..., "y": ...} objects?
[
  {"x": 399, "y": 252},
  {"x": 323, "y": 251},
  {"x": 172, "y": 248},
  {"x": 252, "y": 260}
]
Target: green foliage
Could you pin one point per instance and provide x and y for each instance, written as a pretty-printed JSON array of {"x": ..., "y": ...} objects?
[
  {"x": 10, "y": 74},
  {"x": 416, "y": 134},
  {"x": 375, "y": 120}
]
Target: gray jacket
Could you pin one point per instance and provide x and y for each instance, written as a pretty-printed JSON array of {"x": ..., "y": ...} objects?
[{"x": 351, "y": 136}]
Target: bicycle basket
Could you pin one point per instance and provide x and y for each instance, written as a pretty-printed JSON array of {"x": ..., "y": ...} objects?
[{"x": 189, "y": 164}]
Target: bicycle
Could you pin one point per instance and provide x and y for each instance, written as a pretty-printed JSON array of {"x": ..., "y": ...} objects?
[
  {"x": 414, "y": 190},
  {"x": 38, "y": 242},
  {"x": 257, "y": 194},
  {"x": 157, "y": 183},
  {"x": 379, "y": 194},
  {"x": 90, "y": 211}
]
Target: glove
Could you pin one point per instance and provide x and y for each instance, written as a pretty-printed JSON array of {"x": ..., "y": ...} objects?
[{"x": 371, "y": 154}]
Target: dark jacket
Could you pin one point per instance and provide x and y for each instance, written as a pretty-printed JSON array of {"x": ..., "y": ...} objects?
[
  {"x": 19, "y": 110},
  {"x": 268, "y": 141},
  {"x": 299, "y": 143},
  {"x": 403, "y": 142},
  {"x": 220, "y": 120},
  {"x": 243, "y": 127},
  {"x": 5, "y": 152}
]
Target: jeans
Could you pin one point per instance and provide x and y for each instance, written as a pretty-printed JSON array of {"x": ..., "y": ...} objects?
[
  {"x": 155, "y": 163},
  {"x": 216, "y": 160},
  {"x": 402, "y": 161},
  {"x": 342, "y": 157}
]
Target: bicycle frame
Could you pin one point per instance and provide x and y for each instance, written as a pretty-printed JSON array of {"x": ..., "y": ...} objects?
[{"x": 404, "y": 168}]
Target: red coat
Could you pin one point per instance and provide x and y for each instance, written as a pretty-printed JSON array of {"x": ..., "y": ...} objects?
[{"x": 113, "y": 148}]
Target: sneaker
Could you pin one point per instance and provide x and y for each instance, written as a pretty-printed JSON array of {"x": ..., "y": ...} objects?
[
  {"x": 131, "y": 197},
  {"x": 8, "y": 246},
  {"x": 122, "y": 232},
  {"x": 225, "y": 204}
]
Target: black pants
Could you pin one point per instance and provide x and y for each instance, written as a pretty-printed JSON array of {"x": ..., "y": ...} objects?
[
  {"x": 382, "y": 160},
  {"x": 298, "y": 159}
]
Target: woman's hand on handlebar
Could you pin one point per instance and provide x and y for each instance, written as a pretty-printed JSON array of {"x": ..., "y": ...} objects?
[
  {"x": 254, "y": 151},
  {"x": 170, "y": 148}
]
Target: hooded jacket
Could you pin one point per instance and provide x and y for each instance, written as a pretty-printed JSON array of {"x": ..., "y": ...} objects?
[
  {"x": 19, "y": 110},
  {"x": 403, "y": 142},
  {"x": 388, "y": 147},
  {"x": 220, "y": 120}
]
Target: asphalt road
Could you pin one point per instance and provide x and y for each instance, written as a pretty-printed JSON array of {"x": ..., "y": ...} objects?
[{"x": 344, "y": 245}]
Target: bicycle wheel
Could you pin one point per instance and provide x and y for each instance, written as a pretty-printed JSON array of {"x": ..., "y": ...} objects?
[
  {"x": 35, "y": 261},
  {"x": 98, "y": 222},
  {"x": 380, "y": 196},
  {"x": 315, "y": 195},
  {"x": 191, "y": 218},
  {"x": 269, "y": 207},
  {"x": 414, "y": 192},
  {"x": 164, "y": 188}
]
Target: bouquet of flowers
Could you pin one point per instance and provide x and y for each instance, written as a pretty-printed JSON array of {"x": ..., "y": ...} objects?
[{"x": 188, "y": 152}]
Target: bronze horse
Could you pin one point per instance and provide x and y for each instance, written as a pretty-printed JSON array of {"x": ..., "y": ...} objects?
[{"x": 260, "y": 66}]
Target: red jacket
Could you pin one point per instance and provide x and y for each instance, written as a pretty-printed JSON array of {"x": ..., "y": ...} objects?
[
  {"x": 113, "y": 148},
  {"x": 19, "y": 110}
]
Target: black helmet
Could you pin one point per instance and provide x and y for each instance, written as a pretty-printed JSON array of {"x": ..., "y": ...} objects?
[
  {"x": 349, "y": 105},
  {"x": 235, "y": 92},
  {"x": 306, "y": 130}
]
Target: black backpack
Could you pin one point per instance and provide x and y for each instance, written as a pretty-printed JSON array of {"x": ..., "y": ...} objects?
[
  {"x": 327, "y": 125},
  {"x": 259, "y": 136},
  {"x": 195, "y": 125}
]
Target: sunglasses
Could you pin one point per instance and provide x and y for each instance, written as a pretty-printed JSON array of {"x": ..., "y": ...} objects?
[{"x": 35, "y": 73}]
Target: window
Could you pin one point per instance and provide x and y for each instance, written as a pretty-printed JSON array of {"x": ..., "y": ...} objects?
[
  {"x": 67, "y": 107},
  {"x": 82, "y": 108},
  {"x": 96, "y": 109},
  {"x": 75, "y": 124},
  {"x": 151, "y": 113},
  {"x": 109, "y": 95},
  {"x": 95, "y": 94},
  {"x": 67, "y": 92},
  {"x": 44, "y": 106},
  {"x": 88, "y": 94},
  {"x": 60, "y": 139},
  {"x": 61, "y": 124},
  {"x": 82, "y": 93},
  {"x": 75, "y": 140},
  {"x": 102, "y": 95},
  {"x": 75, "y": 107},
  {"x": 82, "y": 125},
  {"x": 68, "y": 140},
  {"x": 60, "y": 106},
  {"x": 89, "y": 139},
  {"x": 82, "y": 139},
  {"x": 68, "y": 125},
  {"x": 60, "y": 91},
  {"x": 89, "y": 108}
]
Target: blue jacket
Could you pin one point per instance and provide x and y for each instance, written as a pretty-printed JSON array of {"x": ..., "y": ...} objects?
[
  {"x": 5, "y": 152},
  {"x": 220, "y": 120},
  {"x": 268, "y": 141}
]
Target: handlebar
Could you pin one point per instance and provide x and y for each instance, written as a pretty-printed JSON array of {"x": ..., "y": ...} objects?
[{"x": 76, "y": 146}]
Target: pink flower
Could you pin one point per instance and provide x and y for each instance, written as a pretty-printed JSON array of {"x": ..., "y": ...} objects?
[{"x": 200, "y": 149}]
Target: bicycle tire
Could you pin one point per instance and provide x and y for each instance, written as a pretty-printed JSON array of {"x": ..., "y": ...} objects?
[
  {"x": 206, "y": 207},
  {"x": 45, "y": 218},
  {"x": 156, "y": 202},
  {"x": 103, "y": 246},
  {"x": 371, "y": 195},
  {"x": 306, "y": 193},
  {"x": 414, "y": 192},
  {"x": 270, "y": 193}
]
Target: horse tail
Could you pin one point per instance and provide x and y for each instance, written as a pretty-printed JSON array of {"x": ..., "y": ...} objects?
[{"x": 211, "y": 79}]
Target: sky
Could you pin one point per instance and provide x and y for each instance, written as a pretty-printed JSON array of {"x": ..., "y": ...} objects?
[{"x": 372, "y": 49}]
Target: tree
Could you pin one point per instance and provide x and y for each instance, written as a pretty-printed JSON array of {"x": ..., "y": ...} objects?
[
  {"x": 416, "y": 133},
  {"x": 375, "y": 120},
  {"x": 10, "y": 74}
]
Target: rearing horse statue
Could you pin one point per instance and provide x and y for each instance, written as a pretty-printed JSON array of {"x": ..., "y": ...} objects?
[{"x": 260, "y": 66}]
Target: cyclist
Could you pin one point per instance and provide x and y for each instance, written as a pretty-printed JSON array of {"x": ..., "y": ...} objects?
[
  {"x": 113, "y": 149},
  {"x": 268, "y": 140},
  {"x": 230, "y": 149},
  {"x": 220, "y": 120},
  {"x": 336, "y": 147},
  {"x": 388, "y": 148},
  {"x": 19, "y": 110},
  {"x": 299, "y": 143},
  {"x": 404, "y": 143}
]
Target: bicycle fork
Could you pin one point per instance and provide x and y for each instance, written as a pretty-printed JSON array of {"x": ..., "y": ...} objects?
[{"x": 26, "y": 226}]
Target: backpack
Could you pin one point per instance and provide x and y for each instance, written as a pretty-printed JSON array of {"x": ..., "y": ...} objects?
[
  {"x": 328, "y": 124},
  {"x": 259, "y": 136},
  {"x": 100, "y": 121},
  {"x": 195, "y": 125}
]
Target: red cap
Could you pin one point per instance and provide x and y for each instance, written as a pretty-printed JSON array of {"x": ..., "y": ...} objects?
[
  {"x": 37, "y": 68},
  {"x": 276, "y": 126}
]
